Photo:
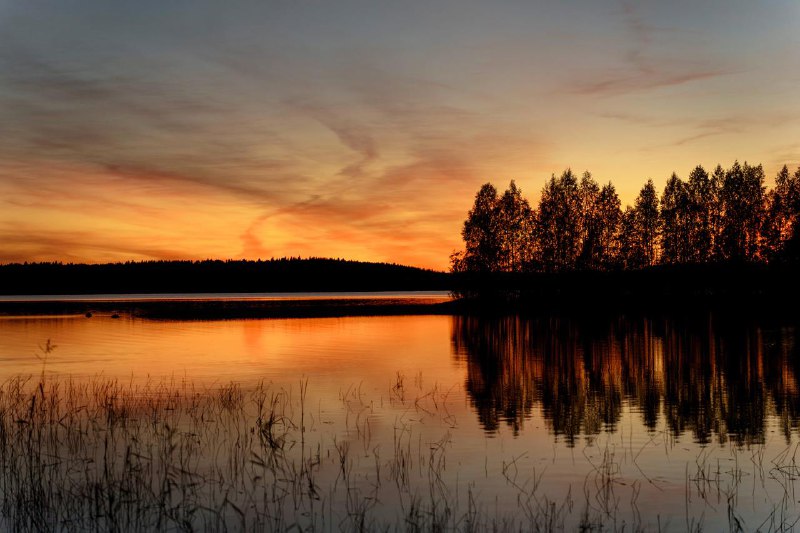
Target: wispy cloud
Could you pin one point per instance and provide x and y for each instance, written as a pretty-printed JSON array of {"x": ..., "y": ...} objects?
[
  {"x": 632, "y": 81},
  {"x": 646, "y": 66},
  {"x": 734, "y": 124},
  {"x": 354, "y": 137}
]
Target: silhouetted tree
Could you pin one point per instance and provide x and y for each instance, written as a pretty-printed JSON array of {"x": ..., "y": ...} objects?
[
  {"x": 716, "y": 213},
  {"x": 515, "y": 222},
  {"x": 631, "y": 251},
  {"x": 792, "y": 246},
  {"x": 648, "y": 222},
  {"x": 590, "y": 223},
  {"x": 781, "y": 217},
  {"x": 776, "y": 228},
  {"x": 610, "y": 219},
  {"x": 700, "y": 208},
  {"x": 742, "y": 198},
  {"x": 558, "y": 222},
  {"x": 794, "y": 196},
  {"x": 480, "y": 234},
  {"x": 675, "y": 221},
  {"x": 639, "y": 230}
]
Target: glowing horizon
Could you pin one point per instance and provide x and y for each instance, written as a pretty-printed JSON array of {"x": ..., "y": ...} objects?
[{"x": 361, "y": 131}]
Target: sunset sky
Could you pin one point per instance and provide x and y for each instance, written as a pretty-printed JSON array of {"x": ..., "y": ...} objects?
[{"x": 362, "y": 130}]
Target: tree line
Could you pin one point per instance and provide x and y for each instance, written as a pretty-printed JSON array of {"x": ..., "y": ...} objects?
[
  {"x": 728, "y": 215},
  {"x": 274, "y": 275}
]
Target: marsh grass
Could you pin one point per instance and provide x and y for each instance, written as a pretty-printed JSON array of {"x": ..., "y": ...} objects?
[{"x": 104, "y": 455}]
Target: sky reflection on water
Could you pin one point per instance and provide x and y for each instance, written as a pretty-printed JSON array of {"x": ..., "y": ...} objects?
[
  {"x": 657, "y": 400},
  {"x": 710, "y": 377}
]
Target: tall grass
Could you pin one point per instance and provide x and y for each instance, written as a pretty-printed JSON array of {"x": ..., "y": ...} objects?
[{"x": 103, "y": 455}]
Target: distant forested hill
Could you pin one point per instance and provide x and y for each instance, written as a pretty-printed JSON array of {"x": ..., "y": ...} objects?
[{"x": 275, "y": 275}]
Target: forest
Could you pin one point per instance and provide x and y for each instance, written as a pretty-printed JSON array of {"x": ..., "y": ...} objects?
[
  {"x": 726, "y": 217},
  {"x": 274, "y": 275}
]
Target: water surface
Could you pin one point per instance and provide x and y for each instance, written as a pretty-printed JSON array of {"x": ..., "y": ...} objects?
[{"x": 634, "y": 421}]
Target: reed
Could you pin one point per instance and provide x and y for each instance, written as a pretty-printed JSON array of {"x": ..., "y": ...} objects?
[{"x": 103, "y": 455}]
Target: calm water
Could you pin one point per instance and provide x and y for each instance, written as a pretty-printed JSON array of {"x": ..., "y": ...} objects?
[{"x": 631, "y": 422}]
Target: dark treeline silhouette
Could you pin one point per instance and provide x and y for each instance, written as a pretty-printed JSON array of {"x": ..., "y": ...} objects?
[
  {"x": 275, "y": 275},
  {"x": 726, "y": 217},
  {"x": 718, "y": 378}
]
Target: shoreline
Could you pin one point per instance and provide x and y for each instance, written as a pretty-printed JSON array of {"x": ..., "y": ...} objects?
[
  {"x": 495, "y": 304},
  {"x": 745, "y": 289},
  {"x": 234, "y": 309}
]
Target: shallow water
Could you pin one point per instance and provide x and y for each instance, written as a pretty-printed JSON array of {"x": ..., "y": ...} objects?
[{"x": 667, "y": 422}]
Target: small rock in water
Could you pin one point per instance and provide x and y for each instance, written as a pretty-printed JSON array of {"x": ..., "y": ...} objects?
[
  {"x": 115, "y": 315},
  {"x": 88, "y": 314}
]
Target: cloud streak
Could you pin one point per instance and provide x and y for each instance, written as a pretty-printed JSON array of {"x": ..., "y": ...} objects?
[{"x": 645, "y": 66}]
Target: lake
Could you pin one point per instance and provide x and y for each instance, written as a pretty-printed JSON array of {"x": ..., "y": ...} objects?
[{"x": 430, "y": 422}]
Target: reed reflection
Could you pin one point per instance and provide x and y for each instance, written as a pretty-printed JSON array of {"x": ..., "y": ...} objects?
[{"x": 712, "y": 378}]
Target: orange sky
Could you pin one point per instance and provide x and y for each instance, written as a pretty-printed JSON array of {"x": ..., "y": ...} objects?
[{"x": 355, "y": 130}]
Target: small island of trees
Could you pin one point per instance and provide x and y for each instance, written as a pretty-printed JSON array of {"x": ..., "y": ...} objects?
[{"x": 726, "y": 217}]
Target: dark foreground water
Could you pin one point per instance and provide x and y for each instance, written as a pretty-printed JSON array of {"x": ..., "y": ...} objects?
[{"x": 410, "y": 422}]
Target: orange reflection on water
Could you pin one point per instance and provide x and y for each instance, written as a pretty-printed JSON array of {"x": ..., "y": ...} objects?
[{"x": 370, "y": 349}]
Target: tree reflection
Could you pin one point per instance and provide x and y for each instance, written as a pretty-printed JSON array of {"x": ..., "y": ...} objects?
[{"x": 715, "y": 378}]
